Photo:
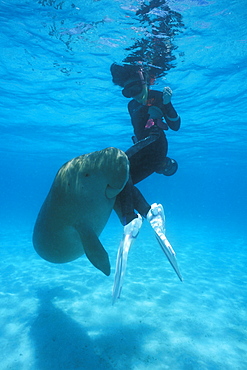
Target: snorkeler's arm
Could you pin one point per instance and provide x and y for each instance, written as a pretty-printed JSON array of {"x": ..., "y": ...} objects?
[{"x": 172, "y": 118}]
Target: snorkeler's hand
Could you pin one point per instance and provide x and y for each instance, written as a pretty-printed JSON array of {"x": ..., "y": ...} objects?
[{"x": 167, "y": 95}]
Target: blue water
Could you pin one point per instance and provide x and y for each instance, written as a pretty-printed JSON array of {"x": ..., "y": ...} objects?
[{"x": 57, "y": 102}]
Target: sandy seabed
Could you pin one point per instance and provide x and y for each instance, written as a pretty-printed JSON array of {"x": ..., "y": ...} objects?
[{"x": 56, "y": 317}]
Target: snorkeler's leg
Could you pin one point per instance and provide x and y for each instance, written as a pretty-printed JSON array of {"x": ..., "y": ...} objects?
[
  {"x": 156, "y": 218},
  {"x": 141, "y": 144},
  {"x": 125, "y": 203},
  {"x": 140, "y": 166},
  {"x": 140, "y": 203}
]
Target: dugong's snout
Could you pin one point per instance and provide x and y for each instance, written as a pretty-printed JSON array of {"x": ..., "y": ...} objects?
[{"x": 116, "y": 168}]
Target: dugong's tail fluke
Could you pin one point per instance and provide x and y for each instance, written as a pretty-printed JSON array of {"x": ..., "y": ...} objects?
[{"x": 94, "y": 250}]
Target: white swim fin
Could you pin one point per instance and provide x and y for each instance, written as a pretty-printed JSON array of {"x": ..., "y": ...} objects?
[
  {"x": 156, "y": 218},
  {"x": 131, "y": 230}
]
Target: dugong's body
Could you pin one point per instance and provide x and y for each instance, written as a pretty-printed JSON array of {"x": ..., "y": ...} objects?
[{"x": 78, "y": 206}]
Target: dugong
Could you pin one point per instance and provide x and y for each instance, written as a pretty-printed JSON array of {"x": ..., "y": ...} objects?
[{"x": 78, "y": 207}]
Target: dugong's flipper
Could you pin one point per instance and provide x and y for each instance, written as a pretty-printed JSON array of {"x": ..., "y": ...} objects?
[
  {"x": 94, "y": 250},
  {"x": 156, "y": 219},
  {"x": 131, "y": 231}
]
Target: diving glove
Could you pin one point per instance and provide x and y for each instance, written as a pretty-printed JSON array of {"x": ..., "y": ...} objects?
[{"x": 167, "y": 95}]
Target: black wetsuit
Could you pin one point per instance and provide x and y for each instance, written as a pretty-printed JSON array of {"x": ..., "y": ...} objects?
[
  {"x": 147, "y": 154},
  {"x": 149, "y": 157}
]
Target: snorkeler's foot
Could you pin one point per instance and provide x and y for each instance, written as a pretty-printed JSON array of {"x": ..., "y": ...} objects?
[
  {"x": 131, "y": 230},
  {"x": 133, "y": 227},
  {"x": 156, "y": 218}
]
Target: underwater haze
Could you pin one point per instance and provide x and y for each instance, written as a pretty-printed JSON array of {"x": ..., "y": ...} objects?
[{"x": 58, "y": 102}]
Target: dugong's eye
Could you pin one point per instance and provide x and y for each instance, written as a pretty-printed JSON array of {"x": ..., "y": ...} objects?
[{"x": 86, "y": 174}]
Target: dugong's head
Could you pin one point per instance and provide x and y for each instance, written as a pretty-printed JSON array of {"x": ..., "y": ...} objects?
[
  {"x": 106, "y": 169},
  {"x": 78, "y": 206},
  {"x": 112, "y": 163}
]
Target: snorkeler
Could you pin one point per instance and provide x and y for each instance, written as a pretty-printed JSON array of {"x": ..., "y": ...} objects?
[
  {"x": 148, "y": 110},
  {"x": 151, "y": 113}
]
